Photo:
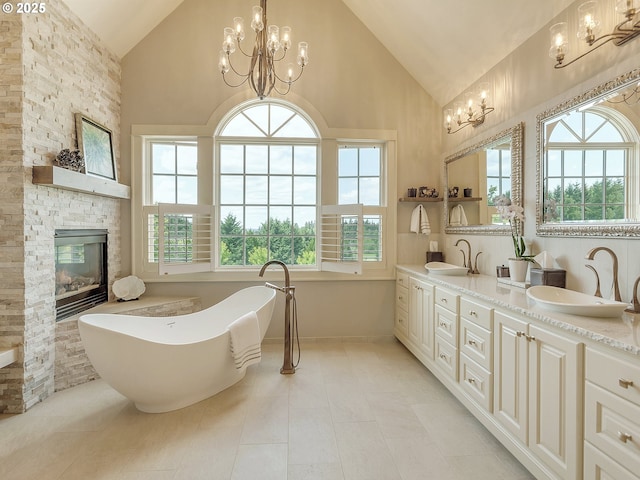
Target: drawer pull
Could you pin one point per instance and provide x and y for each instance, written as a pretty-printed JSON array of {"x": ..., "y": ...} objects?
[
  {"x": 624, "y": 437},
  {"x": 625, "y": 383},
  {"x": 400, "y": 280},
  {"x": 473, "y": 313},
  {"x": 471, "y": 380},
  {"x": 400, "y": 297},
  {"x": 443, "y": 300},
  {"x": 443, "y": 324},
  {"x": 521, "y": 334},
  {"x": 472, "y": 342},
  {"x": 530, "y": 338},
  {"x": 443, "y": 356}
]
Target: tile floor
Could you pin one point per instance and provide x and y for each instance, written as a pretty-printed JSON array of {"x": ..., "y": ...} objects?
[{"x": 351, "y": 411}]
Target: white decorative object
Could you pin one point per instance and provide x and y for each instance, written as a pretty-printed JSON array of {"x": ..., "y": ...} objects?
[
  {"x": 518, "y": 269},
  {"x": 128, "y": 288}
]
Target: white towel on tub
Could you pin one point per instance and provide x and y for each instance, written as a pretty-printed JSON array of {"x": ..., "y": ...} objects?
[{"x": 245, "y": 340}]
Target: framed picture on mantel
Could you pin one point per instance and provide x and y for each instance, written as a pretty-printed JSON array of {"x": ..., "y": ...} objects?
[{"x": 95, "y": 143}]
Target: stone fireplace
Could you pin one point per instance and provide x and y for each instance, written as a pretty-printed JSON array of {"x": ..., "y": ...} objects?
[{"x": 81, "y": 270}]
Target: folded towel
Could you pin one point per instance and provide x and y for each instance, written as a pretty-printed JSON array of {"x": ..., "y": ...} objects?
[
  {"x": 457, "y": 217},
  {"x": 245, "y": 340},
  {"x": 420, "y": 221}
]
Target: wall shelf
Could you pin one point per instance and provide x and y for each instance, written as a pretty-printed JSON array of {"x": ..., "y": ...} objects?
[
  {"x": 79, "y": 182},
  {"x": 464, "y": 199},
  {"x": 419, "y": 199}
]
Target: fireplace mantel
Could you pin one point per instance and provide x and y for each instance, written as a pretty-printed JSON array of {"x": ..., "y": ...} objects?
[{"x": 69, "y": 180}]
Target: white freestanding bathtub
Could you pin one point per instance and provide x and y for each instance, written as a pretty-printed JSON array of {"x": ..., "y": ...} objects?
[{"x": 166, "y": 363}]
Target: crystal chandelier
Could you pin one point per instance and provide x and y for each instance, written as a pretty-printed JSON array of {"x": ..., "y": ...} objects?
[{"x": 270, "y": 46}]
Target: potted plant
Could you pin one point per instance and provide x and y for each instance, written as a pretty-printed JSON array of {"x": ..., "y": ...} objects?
[{"x": 514, "y": 214}]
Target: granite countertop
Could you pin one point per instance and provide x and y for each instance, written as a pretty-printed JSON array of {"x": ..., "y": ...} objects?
[{"x": 620, "y": 333}]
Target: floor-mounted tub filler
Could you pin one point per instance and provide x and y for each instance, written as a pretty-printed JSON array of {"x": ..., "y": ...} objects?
[{"x": 166, "y": 363}]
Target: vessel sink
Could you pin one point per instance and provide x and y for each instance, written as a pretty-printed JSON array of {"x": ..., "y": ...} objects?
[
  {"x": 576, "y": 303},
  {"x": 442, "y": 268}
]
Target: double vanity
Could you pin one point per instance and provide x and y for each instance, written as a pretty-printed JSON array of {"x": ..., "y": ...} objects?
[{"x": 560, "y": 391}]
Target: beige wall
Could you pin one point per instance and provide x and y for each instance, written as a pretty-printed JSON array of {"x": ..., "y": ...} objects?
[
  {"x": 352, "y": 81},
  {"x": 526, "y": 84},
  {"x": 171, "y": 78}
]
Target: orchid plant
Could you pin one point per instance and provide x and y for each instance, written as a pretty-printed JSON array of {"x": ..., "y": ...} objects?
[{"x": 514, "y": 214}]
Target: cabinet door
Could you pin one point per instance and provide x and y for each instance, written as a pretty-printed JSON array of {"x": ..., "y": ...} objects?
[
  {"x": 421, "y": 330},
  {"x": 555, "y": 401},
  {"x": 415, "y": 312},
  {"x": 510, "y": 373},
  {"x": 425, "y": 316}
]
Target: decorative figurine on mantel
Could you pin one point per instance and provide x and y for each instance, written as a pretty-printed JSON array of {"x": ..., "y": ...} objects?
[{"x": 71, "y": 160}]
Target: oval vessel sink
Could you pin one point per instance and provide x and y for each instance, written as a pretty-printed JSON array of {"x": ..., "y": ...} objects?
[
  {"x": 442, "y": 268},
  {"x": 576, "y": 303}
]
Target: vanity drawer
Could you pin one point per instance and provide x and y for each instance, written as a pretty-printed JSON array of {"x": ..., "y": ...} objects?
[
  {"x": 476, "y": 343},
  {"x": 598, "y": 466},
  {"x": 616, "y": 375},
  {"x": 402, "y": 297},
  {"x": 402, "y": 322},
  {"x": 476, "y": 381},
  {"x": 446, "y": 325},
  {"x": 402, "y": 279},
  {"x": 476, "y": 313},
  {"x": 447, "y": 299},
  {"x": 447, "y": 357},
  {"x": 613, "y": 425}
]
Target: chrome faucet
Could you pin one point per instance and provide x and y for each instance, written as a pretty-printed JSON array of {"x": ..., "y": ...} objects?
[
  {"x": 616, "y": 287},
  {"x": 288, "y": 290},
  {"x": 472, "y": 268}
]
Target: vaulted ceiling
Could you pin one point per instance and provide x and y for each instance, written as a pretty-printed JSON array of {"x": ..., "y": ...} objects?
[{"x": 445, "y": 45}]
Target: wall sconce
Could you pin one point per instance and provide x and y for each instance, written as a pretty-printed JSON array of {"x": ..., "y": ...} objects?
[
  {"x": 471, "y": 112},
  {"x": 589, "y": 28}
]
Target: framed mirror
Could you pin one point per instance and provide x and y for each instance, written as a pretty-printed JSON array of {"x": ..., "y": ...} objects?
[
  {"x": 475, "y": 176},
  {"x": 588, "y": 163}
]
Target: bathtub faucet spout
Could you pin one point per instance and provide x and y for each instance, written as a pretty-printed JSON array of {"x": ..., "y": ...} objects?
[{"x": 288, "y": 290}]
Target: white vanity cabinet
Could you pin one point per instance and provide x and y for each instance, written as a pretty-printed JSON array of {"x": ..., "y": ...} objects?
[
  {"x": 538, "y": 391},
  {"x": 612, "y": 417},
  {"x": 561, "y": 392}
]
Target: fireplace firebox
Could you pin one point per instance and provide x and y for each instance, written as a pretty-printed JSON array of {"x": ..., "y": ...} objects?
[{"x": 81, "y": 270}]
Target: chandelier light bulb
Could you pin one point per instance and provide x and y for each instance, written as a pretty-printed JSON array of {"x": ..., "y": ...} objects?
[
  {"x": 229, "y": 43},
  {"x": 303, "y": 54},
  {"x": 223, "y": 62},
  {"x": 273, "y": 42},
  {"x": 290, "y": 73},
  {"x": 285, "y": 39},
  {"x": 256, "y": 19},
  {"x": 238, "y": 26}
]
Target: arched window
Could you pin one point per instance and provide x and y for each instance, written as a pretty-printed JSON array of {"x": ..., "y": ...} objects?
[
  {"x": 588, "y": 167},
  {"x": 267, "y": 164}
]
